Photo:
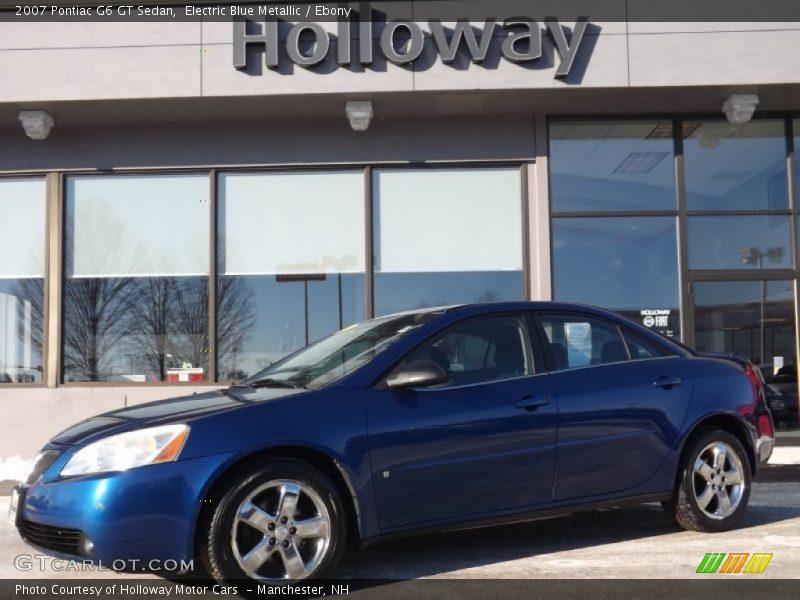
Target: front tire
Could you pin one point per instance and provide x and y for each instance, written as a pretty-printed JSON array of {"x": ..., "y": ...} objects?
[
  {"x": 283, "y": 520},
  {"x": 713, "y": 487}
]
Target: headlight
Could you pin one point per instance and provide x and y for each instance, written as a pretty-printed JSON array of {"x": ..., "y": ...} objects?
[{"x": 128, "y": 450}]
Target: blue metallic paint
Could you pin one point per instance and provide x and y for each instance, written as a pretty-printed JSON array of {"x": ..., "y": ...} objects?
[
  {"x": 614, "y": 434},
  {"x": 108, "y": 507},
  {"x": 456, "y": 452},
  {"x": 452, "y": 455}
]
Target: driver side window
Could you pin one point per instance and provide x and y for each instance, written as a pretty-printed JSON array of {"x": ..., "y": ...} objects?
[{"x": 480, "y": 350}]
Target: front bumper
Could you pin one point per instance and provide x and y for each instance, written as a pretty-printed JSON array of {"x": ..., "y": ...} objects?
[{"x": 140, "y": 515}]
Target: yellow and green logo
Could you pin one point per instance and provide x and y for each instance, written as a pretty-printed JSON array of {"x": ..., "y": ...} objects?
[{"x": 734, "y": 562}]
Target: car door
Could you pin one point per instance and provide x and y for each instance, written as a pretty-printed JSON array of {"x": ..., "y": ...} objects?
[
  {"x": 481, "y": 443},
  {"x": 622, "y": 399}
]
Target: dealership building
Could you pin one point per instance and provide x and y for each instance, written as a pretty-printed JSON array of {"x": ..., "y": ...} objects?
[{"x": 183, "y": 202}]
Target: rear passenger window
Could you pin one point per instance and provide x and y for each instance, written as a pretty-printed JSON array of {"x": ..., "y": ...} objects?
[
  {"x": 582, "y": 342},
  {"x": 640, "y": 348}
]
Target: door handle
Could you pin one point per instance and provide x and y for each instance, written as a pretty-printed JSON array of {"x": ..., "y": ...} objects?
[
  {"x": 667, "y": 382},
  {"x": 531, "y": 402}
]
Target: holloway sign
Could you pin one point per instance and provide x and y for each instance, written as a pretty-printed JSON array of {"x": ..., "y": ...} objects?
[{"x": 402, "y": 42}]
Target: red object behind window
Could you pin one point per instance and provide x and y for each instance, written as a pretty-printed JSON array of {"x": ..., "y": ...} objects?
[{"x": 184, "y": 375}]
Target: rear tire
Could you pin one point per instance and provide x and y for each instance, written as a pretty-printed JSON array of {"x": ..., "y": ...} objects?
[
  {"x": 713, "y": 485},
  {"x": 283, "y": 520}
]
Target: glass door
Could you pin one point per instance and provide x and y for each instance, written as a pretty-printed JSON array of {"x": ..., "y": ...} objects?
[{"x": 755, "y": 319}]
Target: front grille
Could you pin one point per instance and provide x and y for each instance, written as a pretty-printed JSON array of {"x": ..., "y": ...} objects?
[
  {"x": 41, "y": 463},
  {"x": 58, "y": 539}
]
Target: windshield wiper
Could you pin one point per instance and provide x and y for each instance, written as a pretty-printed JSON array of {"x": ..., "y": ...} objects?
[{"x": 270, "y": 382}]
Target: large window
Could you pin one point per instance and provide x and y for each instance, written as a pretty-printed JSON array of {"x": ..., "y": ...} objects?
[
  {"x": 751, "y": 318},
  {"x": 739, "y": 242},
  {"x": 617, "y": 254},
  {"x": 135, "y": 304},
  {"x": 22, "y": 264},
  {"x": 611, "y": 166},
  {"x": 291, "y": 263},
  {"x": 446, "y": 236},
  {"x": 737, "y": 168},
  {"x": 732, "y": 167},
  {"x": 627, "y": 264}
]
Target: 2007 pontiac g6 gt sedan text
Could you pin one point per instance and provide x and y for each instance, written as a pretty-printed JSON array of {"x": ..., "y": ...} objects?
[{"x": 426, "y": 419}]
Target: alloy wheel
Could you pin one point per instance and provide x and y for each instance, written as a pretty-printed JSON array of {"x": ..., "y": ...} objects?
[
  {"x": 282, "y": 530},
  {"x": 718, "y": 480}
]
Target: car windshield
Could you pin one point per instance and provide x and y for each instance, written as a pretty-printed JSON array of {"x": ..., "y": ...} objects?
[{"x": 333, "y": 357}]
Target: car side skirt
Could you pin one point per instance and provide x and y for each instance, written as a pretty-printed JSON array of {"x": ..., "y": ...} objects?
[{"x": 528, "y": 515}]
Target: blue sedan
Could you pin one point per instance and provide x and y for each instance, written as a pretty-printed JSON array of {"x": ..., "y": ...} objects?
[{"x": 426, "y": 419}]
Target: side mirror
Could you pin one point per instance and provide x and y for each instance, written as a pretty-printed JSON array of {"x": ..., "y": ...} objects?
[{"x": 418, "y": 373}]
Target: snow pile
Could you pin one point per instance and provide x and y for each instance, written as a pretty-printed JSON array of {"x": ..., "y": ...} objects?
[{"x": 14, "y": 468}]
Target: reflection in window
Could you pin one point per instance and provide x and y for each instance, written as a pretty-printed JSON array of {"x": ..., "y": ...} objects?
[
  {"x": 22, "y": 235},
  {"x": 730, "y": 167},
  {"x": 291, "y": 262},
  {"x": 728, "y": 318},
  {"x": 136, "y": 291},
  {"x": 600, "y": 166},
  {"x": 640, "y": 348},
  {"x": 739, "y": 242},
  {"x": 396, "y": 292},
  {"x": 756, "y": 320},
  {"x": 625, "y": 264},
  {"x": 446, "y": 236}
]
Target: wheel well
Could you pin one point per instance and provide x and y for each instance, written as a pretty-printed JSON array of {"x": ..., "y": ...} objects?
[
  {"x": 730, "y": 424},
  {"x": 315, "y": 458}
]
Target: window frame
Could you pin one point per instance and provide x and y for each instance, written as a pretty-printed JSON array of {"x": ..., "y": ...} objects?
[
  {"x": 52, "y": 196},
  {"x": 61, "y": 249}
]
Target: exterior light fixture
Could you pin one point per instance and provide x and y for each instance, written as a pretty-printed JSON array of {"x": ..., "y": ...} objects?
[
  {"x": 36, "y": 123},
  {"x": 359, "y": 113},
  {"x": 739, "y": 108}
]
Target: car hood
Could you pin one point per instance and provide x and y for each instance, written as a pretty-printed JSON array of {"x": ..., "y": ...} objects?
[{"x": 166, "y": 411}]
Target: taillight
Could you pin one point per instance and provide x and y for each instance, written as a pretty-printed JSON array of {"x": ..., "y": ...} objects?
[
  {"x": 764, "y": 423},
  {"x": 755, "y": 382},
  {"x": 750, "y": 371}
]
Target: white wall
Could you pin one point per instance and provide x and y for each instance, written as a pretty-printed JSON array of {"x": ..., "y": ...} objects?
[{"x": 31, "y": 416}]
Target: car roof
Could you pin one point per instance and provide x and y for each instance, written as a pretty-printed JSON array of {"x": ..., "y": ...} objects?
[
  {"x": 481, "y": 307},
  {"x": 465, "y": 310}
]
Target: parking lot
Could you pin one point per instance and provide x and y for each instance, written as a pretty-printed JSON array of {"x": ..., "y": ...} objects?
[{"x": 634, "y": 542}]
